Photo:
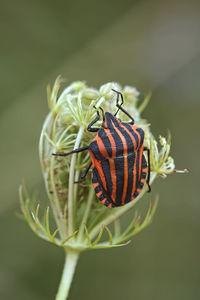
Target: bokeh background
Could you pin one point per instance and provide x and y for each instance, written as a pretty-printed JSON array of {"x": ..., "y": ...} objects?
[{"x": 153, "y": 45}]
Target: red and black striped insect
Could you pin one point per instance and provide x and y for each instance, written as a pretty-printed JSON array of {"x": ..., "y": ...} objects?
[{"x": 119, "y": 165}]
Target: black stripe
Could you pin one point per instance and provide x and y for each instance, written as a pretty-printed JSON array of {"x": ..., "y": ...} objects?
[
  {"x": 107, "y": 174},
  {"x": 97, "y": 189},
  {"x": 107, "y": 203},
  {"x": 131, "y": 159},
  {"x": 118, "y": 142},
  {"x": 141, "y": 133},
  {"x": 111, "y": 119},
  {"x": 140, "y": 185},
  {"x": 143, "y": 175},
  {"x": 95, "y": 150},
  {"x": 103, "y": 136},
  {"x": 119, "y": 167},
  {"x": 132, "y": 132},
  {"x": 129, "y": 142},
  {"x": 101, "y": 197},
  {"x": 96, "y": 178},
  {"x": 135, "y": 176},
  {"x": 138, "y": 167},
  {"x": 144, "y": 162}
]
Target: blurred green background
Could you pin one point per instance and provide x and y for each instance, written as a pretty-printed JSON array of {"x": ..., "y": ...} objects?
[{"x": 153, "y": 45}]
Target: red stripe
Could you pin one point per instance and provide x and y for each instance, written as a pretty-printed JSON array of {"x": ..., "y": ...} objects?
[
  {"x": 95, "y": 185},
  {"x": 97, "y": 164},
  {"x": 132, "y": 137},
  {"x": 102, "y": 148},
  {"x": 104, "y": 200}
]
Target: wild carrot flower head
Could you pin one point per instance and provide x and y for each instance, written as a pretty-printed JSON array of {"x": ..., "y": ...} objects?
[{"x": 79, "y": 217}]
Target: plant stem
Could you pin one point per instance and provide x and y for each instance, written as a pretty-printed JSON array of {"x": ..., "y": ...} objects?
[
  {"x": 67, "y": 276},
  {"x": 71, "y": 184}
]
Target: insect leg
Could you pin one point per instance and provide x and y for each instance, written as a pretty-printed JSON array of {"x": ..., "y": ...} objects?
[
  {"x": 126, "y": 113},
  {"x": 84, "y": 174},
  {"x": 117, "y": 101},
  {"x": 72, "y": 152},
  {"x": 119, "y": 106},
  {"x": 94, "y": 129},
  {"x": 149, "y": 168}
]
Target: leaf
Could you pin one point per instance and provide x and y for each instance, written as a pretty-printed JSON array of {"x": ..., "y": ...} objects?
[
  {"x": 99, "y": 236},
  {"x": 110, "y": 235},
  {"x": 69, "y": 237},
  {"x": 136, "y": 226},
  {"x": 145, "y": 102},
  {"x": 88, "y": 237}
]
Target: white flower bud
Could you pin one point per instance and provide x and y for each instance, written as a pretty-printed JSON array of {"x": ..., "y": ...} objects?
[
  {"x": 90, "y": 94},
  {"x": 131, "y": 93},
  {"x": 78, "y": 85},
  {"x": 106, "y": 90}
]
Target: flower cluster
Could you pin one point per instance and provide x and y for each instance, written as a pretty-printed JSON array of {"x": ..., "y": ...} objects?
[{"x": 80, "y": 219}]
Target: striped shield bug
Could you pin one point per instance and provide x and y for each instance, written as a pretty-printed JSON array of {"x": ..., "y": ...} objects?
[{"x": 117, "y": 157}]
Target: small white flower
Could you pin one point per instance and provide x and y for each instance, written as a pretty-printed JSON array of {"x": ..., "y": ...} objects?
[
  {"x": 106, "y": 90},
  {"x": 131, "y": 93},
  {"x": 90, "y": 94}
]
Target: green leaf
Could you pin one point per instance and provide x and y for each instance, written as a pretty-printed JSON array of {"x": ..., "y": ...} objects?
[
  {"x": 68, "y": 238},
  {"x": 110, "y": 235},
  {"x": 99, "y": 236},
  {"x": 88, "y": 237}
]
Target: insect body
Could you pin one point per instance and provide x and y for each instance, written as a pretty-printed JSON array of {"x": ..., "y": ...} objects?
[{"x": 119, "y": 165}]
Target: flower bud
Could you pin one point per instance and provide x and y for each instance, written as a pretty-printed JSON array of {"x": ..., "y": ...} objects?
[
  {"x": 106, "y": 90},
  {"x": 90, "y": 94},
  {"x": 131, "y": 93},
  {"x": 78, "y": 85}
]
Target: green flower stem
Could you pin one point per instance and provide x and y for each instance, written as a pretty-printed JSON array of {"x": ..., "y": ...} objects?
[
  {"x": 119, "y": 211},
  {"x": 76, "y": 178},
  {"x": 67, "y": 276},
  {"x": 71, "y": 184}
]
